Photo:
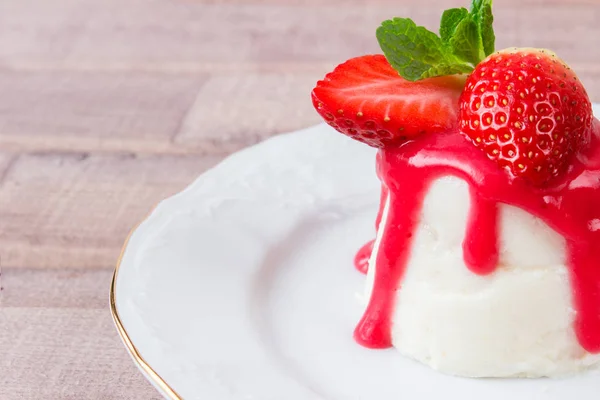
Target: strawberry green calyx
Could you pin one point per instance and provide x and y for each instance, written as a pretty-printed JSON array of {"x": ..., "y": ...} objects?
[{"x": 465, "y": 39}]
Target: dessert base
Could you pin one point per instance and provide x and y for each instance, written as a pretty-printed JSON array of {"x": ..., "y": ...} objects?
[{"x": 515, "y": 322}]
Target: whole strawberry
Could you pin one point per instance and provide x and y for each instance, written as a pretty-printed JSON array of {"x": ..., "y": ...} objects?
[{"x": 528, "y": 111}]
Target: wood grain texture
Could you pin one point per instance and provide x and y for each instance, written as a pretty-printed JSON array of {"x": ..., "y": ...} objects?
[
  {"x": 55, "y": 288},
  {"x": 6, "y": 159},
  {"x": 50, "y": 353},
  {"x": 90, "y": 111},
  {"x": 79, "y": 208},
  {"x": 259, "y": 105},
  {"x": 188, "y": 34},
  {"x": 109, "y": 106}
]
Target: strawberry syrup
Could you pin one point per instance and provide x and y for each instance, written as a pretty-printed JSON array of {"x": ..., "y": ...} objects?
[
  {"x": 361, "y": 260},
  {"x": 571, "y": 207}
]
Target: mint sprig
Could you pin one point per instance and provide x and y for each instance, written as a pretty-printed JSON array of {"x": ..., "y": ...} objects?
[
  {"x": 465, "y": 39},
  {"x": 482, "y": 12},
  {"x": 450, "y": 20}
]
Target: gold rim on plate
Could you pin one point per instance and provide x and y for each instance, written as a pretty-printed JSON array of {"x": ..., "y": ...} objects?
[{"x": 156, "y": 379}]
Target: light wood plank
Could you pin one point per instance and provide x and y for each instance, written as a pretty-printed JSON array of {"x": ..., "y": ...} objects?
[
  {"x": 5, "y": 161},
  {"x": 62, "y": 143},
  {"x": 61, "y": 288},
  {"x": 137, "y": 34},
  {"x": 232, "y": 111},
  {"x": 23, "y": 254},
  {"x": 65, "y": 354},
  {"x": 47, "y": 111},
  {"x": 60, "y": 109},
  {"x": 74, "y": 211}
]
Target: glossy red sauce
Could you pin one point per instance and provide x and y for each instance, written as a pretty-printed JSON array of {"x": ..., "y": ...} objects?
[
  {"x": 361, "y": 260},
  {"x": 571, "y": 207}
]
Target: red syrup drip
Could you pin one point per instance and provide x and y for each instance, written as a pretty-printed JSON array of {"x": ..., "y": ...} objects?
[
  {"x": 361, "y": 260},
  {"x": 480, "y": 246},
  {"x": 571, "y": 207}
]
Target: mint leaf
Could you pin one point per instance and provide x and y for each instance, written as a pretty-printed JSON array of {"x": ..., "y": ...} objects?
[
  {"x": 482, "y": 14},
  {"x": 415, "y": 52},
  {"x": 466, "y": 43},
  {"x": 450, "y": 19},
  {"x": 465, "y": 39},
  {"x": 447, "y": 69}
]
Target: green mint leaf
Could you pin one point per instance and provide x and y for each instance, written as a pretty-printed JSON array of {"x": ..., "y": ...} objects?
[
  {"x": 482, "y": 14},
  {"x": 465, "y": 39},
  {"x": 447, "y": 69},
  {"x": 450, "y": 19},
  {"x": 415, "y": 52},
  {"x": 466, "y": 43}
]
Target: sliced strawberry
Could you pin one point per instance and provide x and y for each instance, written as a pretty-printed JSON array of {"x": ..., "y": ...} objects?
[{"x": 366, "y": 99}]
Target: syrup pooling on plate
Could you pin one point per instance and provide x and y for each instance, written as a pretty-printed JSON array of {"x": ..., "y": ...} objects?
[{"x": 571, "y": 207}]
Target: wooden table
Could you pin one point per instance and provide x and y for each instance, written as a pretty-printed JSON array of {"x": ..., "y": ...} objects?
[{"x": 108, "y": 106}]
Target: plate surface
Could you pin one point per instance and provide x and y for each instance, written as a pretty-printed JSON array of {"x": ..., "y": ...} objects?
[{"x": 242, "y": 286}]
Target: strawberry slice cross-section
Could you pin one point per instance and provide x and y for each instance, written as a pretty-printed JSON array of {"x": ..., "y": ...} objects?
[{"x": 366, "y": 99}]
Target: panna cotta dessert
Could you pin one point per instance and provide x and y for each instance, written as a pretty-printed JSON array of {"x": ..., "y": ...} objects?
[{"x": 486, "y": 261}]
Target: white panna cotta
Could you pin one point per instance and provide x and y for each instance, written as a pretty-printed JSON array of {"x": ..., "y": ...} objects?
[{"x": 514, "y": 322}]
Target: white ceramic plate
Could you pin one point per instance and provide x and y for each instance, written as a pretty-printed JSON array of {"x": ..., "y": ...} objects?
[{"x": 242, "y": 286}]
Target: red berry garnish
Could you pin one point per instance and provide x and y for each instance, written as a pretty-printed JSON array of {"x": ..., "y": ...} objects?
[
  {"x": 366, "y": 99},
  {"x": 528, "y": 111}
]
